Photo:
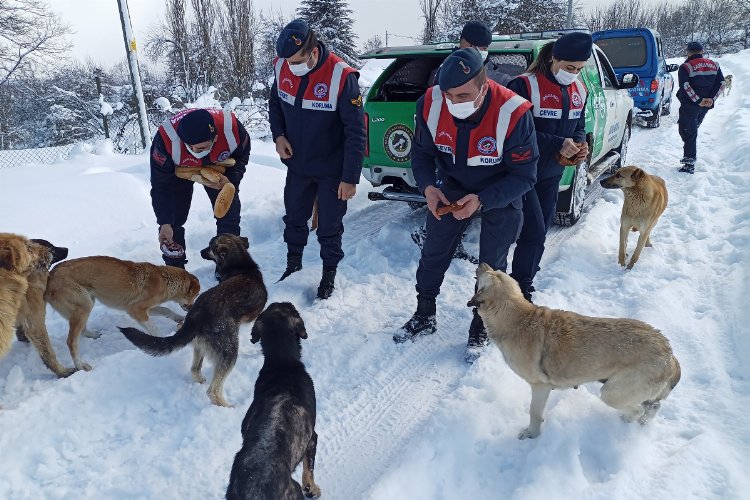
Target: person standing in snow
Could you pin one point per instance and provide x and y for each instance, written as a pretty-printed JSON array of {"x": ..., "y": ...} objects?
[
  {"x": 194, "y": 138},
  {"x": 317, "y": 123},
  {"x": 700, "y": 81},
  {"x": 481, "y": 137},
  {"x": 559, "y": 99}
]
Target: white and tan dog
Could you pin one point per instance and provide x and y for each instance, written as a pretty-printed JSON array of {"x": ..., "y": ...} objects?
[
  {"x": 645, "y": 200},
  {"x": 554, "y": 349},
  {"x": 727, "y": 86}
]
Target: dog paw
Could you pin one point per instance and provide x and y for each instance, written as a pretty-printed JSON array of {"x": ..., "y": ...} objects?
[
  {"x": 81, "y": 365},
  {"x": 312, "y": 490},
  {"x": 65, "y": 372},
  {"x": 91, "y": 335},
  {"x": 528, "y": 434}
]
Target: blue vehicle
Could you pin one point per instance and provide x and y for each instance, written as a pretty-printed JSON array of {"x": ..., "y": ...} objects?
[{"x": 639, "y": 51}]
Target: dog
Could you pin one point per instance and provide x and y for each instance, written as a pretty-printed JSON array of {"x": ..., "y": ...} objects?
[
  {"x": 139, "y": 288},
  {"x": 278, "y": 431},
  {"x": 645, "y": 200},
  {"x": 19, "y": 259},
  {"x": 554, "y": 349},
  {"x": 212, "y": 324},
  {"x": 727, "y": 86},
  {"x": 30, "y": 325}
]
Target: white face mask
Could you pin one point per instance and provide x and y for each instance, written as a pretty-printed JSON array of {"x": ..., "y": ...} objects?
[
  {"x": 300, "y": 69},
  {"x": 484, "y": 54},
  {"x": 565, "y": 78},
  {"x": 463, "y": 110},
  {"x": 202, "y": 154}
]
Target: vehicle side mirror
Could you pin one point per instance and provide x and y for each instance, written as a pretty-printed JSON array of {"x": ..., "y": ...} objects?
[
  {"x": 629, "y": 80},
  {"x": 672, "y": 67}
]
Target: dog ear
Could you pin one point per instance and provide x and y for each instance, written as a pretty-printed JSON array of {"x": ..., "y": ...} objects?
[
  {"x": 257, "y": 331},
  {"x": 483, "y": 268},
  {"x": 8, "y": 258},
  {"x": 245, "y": 242},
  {"x": 299, "y": 328},
  {"x": 638, "y": 174}
]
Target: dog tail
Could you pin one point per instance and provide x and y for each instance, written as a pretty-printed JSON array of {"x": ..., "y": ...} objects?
[
  {"x": 159, "y": 346},
  {"x": 676, "y": 373}
]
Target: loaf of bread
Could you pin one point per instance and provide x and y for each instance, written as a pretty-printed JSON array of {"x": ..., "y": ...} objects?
[
  {"x": 224, "y": 200},
  {"x": 447, "y": 209},
  {"x": 210, "y": 174},
  {"x": 575, "y": 159}
]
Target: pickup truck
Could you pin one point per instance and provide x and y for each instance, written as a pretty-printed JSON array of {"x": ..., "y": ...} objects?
[{"x": 391, "y": 103}]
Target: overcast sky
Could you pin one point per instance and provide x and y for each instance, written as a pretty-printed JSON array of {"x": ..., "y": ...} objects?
[{"x": 98, "y": 35}]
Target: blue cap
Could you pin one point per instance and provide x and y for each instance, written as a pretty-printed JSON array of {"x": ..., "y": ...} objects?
[
  {"x": 196, "y": 126},
  {"x": 574, "y": 46},
  {"x": 291, "y": 38},
  {"x": 459, "y": 67},
  {"x": 695, "y": 46},
  {"x": 477, "y": 34}
]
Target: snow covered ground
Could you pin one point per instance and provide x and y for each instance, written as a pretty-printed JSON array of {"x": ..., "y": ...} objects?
[{"x": 398, "y": 422}]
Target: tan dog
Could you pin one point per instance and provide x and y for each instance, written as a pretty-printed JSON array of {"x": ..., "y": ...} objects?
[
  {"x": 645, "y": 200},
  {"x": 19, "y": 257},
  {"x": 727, "y": 86},
  {"x": 135, "y": 287},
  {"x": 553, "y": 349}
]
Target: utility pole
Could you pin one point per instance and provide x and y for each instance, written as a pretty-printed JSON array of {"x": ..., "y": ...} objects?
[
  {"x": 135, "y": 74},
  {"x": 386, "y": 38},
  {"x": 569, "y": 21}
]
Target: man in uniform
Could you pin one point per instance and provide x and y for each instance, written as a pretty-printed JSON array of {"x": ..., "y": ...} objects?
[
  {"x": 700, "y": 81},
  {"x": 481, "y": 137},
  {"x": 194, "y": 138},
  {"x": 317, "y": 123}
]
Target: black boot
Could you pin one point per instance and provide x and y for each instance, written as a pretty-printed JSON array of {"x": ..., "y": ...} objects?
[
  {"x": 477, "y": 338},
  {"x": 325, "y": 289},
  {"x": 527, "y": 291},
  {"x": 688, "y": 165},
  {"x": 293, "y": 264},
  {"x": 423, "y": 321}
]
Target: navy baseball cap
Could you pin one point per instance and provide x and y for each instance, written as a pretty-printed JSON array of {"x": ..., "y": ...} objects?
[
  {"x": 459, "y": 67},
  {"x": 695, "y": 46},
  {"x": 574, "y": 46},
  {"x": 292, "y": 37},
  {"x": 477, "y": 34},
  {"x": 197, "y": 126}
]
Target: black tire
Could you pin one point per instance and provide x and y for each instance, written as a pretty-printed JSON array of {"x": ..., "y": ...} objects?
[
  {"x": 622, "y": 150},
  {"x": 656, "y": 120},
  {"x": 571, "y": 201}
]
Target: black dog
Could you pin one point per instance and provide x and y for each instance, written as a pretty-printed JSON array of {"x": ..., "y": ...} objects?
[
  {"x": 212, "y": 323},
  {"x": 279, "y": 428}
]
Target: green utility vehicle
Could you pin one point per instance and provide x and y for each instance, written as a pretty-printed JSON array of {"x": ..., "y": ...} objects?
[{"x": 391, "y": 104}]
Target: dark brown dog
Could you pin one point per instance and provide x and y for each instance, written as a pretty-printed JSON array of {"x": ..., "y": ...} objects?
[
  {"x": 213, "y": 323},
  {"x": 645, "y": 200}
]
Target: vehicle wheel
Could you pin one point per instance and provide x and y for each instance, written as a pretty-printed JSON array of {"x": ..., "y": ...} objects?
[
  {"x": 570, "y": 202},
  {"x": 656, "y": 120},
  {"x": 667, "y": 107},
  {"x": 623, "y": 150}
]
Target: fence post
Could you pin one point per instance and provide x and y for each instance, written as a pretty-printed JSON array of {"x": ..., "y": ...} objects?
[{"x": 105, "y": 118}]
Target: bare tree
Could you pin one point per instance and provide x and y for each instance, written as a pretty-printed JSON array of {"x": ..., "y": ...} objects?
[
  {"x": 203, "y": 32},
  {"x": 430, "y": 9},
  {"x": 239, "y": 31},
  {"x": 171, "y": 39},
  {"x": 373, "y": 43},
  {"x": 30, "y": 33}
]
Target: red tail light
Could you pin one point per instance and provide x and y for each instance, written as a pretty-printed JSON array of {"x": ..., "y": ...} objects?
[
  {"x": 367, "y": 135},
  {"x": 654, "y": 86}
]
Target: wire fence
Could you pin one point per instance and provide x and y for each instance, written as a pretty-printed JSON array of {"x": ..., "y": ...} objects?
[{"x": 125, "y": 133}]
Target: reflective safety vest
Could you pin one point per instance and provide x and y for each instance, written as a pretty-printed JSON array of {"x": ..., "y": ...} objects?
[
  {"x": 700, "y": 66},
  {"x": 324, "y": 86},
  {"x": 488, "y": 137},
  {"x": 227, "y": 137},
  {"x": 546, "y": 97}
]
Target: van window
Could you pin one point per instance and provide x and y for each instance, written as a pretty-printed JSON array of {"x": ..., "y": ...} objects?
[
  {"x": 502, "y": 68},
  {"x": 627, "y": 51},
  {"x": 607, "y": 71}
]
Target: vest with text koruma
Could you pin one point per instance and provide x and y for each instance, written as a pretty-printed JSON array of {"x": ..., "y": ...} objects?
[
  {"x": 702, "y": 74},
  {"x": 547, "y": 98},
  {"x": 227, "y": 138},
  {"x": 324, "y": 86},
  {"x": 487, "y": 139}
]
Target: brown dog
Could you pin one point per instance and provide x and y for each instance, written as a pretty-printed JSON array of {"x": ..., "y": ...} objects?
[
  {"x": 139, "y": 288},
  {"x": 645, "y": 200},
  {"x": 553, "y": 349},
  {"x": 19, "y": 257}
]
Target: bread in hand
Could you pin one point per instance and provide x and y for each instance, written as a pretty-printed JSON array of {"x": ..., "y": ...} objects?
[{"x": 224, "y": 200}]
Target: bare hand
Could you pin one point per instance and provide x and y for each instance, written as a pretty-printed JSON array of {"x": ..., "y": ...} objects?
[
  {"x": 706, "y": 102},
  {"x": 435, "y": 196},
  {"x": 217, "y": 185},
  {"x": 583, "y": 153},
  {"x": 472, "y": 204},
  {"x": 166, "y": 235},
  {"x": 347, "y": 191},
  {"x": 569, "y": 148},
  {"x": 283, "y": 148}
]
